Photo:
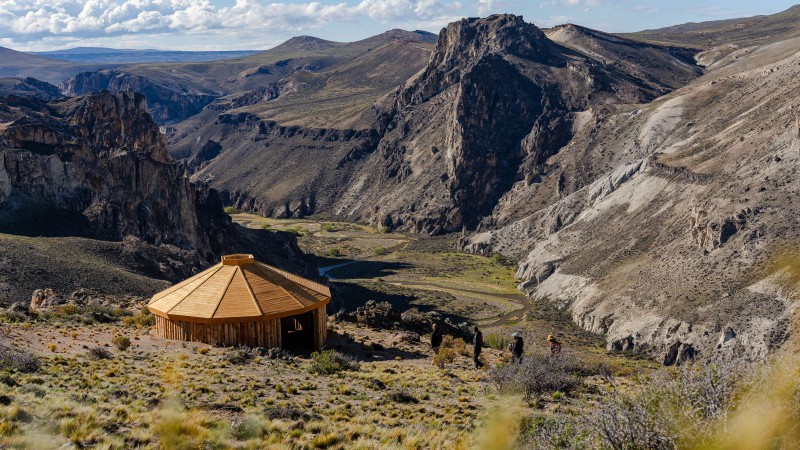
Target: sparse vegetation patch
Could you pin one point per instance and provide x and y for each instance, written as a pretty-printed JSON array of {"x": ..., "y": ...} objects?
[{"x": 329, "y": 362}]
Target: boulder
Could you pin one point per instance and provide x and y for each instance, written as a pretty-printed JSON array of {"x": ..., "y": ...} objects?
[
  {"x": 726, "y": 335},
  {"x": 43, "y": 299}
]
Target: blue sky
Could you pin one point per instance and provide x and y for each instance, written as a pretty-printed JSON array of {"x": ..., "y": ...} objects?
[{"x": 37, "y": 25}]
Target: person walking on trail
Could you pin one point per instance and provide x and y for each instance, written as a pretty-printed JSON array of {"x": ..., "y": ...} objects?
[
  {"x": 517, "y": 347},
  {"x": 436, "y": 338},
  {"x": 555, "y": 346},
  {"x": 477, "y": 347}
]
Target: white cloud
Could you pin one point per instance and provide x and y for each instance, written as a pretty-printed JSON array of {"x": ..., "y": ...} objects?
[
  {"x": 29, "y": 23},
  {"x": 486, "y": 6},
  {"x": 552, "y": 21}
]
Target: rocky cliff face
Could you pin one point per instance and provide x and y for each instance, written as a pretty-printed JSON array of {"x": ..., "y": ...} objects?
[
  {"x": 29, "y": 87},
  {"x": 97, "y": 167},
  {"x": 497, "y": 98},
  {"x": 167, "y": 104},
  {"x": 671, "y": 226}
]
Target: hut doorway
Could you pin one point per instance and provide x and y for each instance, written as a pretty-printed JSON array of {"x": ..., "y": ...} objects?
[{"x": 297, "y": 332}]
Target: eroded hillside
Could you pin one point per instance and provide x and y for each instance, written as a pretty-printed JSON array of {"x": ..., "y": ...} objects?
[{"x": 669, "y": 226}]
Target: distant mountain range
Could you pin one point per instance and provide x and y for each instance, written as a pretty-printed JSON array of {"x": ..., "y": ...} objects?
[{"x": 101, "y": 55}]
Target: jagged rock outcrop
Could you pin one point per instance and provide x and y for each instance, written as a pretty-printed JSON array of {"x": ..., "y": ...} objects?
[
  {"x": 97, "y": 167},
  {"x": 497, "y": 98},
  {"x": 166, "y": 104},
  {"x": 44, "y": 299},
  {"x": 29, "y": 87}
]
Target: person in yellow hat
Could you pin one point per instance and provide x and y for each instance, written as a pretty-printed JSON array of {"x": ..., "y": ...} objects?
[{"x": 555, "y": 346}]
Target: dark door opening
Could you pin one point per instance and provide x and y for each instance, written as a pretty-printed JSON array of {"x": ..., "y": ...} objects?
[{"x": 297, "y": 333}]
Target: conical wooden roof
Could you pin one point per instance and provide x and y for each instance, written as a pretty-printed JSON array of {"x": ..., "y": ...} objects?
[{"x": 239, "y": 289}]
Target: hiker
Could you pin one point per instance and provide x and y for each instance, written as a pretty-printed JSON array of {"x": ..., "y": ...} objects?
[
  {"x": 477, "y": 343},
  {"x": 517, "y": 348},
  {"x": 436, "y": 339},
  {"x": 555, "y": 346}
]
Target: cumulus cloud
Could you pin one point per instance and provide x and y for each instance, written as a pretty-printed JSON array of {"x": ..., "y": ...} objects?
[
  {"x": 25, "y": 21},
  {"x": 553, "y": 21}
]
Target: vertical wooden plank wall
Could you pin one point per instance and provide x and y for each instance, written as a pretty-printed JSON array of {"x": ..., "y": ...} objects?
[{"x": 253, "y": 334}]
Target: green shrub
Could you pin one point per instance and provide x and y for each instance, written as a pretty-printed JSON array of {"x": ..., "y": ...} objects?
[
  {"x": 12, "y": 317},
  {"x": 335, "y": 252},
  {"x": 329, "y": 362},
  {"x": 69, "y": 310},
  {"x": 121, "y": 342},
  {"x": 328, "y": 227},
  {"x": 141, "y": 319},
  {"x": 231, "y": 210},
  {"x": 380, "y": 251},
  {"x": 266, "y": 226},
  {"x": 500, "y": 259},
  {"x": 497, "y": 341},
  {"x": 445, "y": 356},
  {"x": 383, "y": 230}
]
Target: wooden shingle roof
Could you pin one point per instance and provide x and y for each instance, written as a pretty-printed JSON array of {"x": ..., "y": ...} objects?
[{"x": 239, "y": 289}]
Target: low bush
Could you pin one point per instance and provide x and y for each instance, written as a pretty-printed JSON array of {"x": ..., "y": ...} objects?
[
  {"x": 239, "y": 355},
  {"x": 68, "y": 310},
  {"x": 335, "y": 252},
  {"x": 98, "y": 353},
  {"x": 328, "y": 227},
  {"x": 19, "y": 360},
  {"x": 403, "y": 396},
  {"x": 329, "y": 362},
  {"x": 142, "y": 319},
  {"x": 247, "y": 428},
  {"x": 266, "y": 226},
  {"x": 231, "y": 210},
  {"x": 121, "y": 342},
  {"x": 459, "y": 345},
  {"x": 539, "y": 374},
  {"x": 89, "y": 314},
  {"x": 285, "y": 413},
  {"x": 501, "y": 260},
  {"x": 380, "y": 251},
  {"x": 13, "y": 316},
  {"x": 444, "y": 357}
]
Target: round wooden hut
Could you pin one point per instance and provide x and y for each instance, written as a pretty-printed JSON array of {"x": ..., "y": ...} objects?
[{"x": 241, "y": 301}]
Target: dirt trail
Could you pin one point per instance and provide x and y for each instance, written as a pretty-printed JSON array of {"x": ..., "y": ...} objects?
[
  {"x": 510, "y": 317},
  {"x": 323, "y": 271},
  {"x": 524, "y": 302}
]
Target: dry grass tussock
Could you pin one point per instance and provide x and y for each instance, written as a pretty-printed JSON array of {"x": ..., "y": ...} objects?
[{"x": 704, "y": 406}]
